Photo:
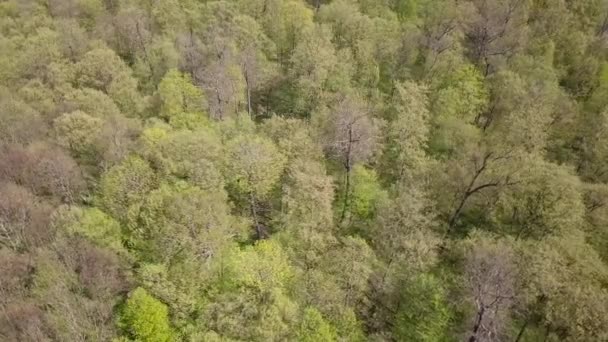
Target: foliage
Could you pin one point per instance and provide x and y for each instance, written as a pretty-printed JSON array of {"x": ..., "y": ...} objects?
[
  {"x": 144, "y": 318},
  {"x": 303, "y": 170}
]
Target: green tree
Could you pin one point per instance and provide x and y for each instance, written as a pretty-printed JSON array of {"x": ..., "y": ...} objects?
[
  {"x": 408, "y": 133},
  {"x": 425, "y": 314},
  {"x": 253, "y": 168},
  {"x": 178, "y": 96},
  {"x": 124, "y": 186},
  {"x": 103, "y": 70},
  {"x": 144, "y": 318},
  {"x": 77, "y": 131},
  {"x": 315, "y": 328}
]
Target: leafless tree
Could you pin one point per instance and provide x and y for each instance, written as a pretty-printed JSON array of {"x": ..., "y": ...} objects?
[
  {"x": 24, "y": 220},
  {"x": 489, "y": 277},
  {"x": 484, "y": 175},
  {"x": 352, "y": 136},
  {"x": 54, "y": 173},
  {"x": 496, "y": 29},
  {"x": 251, "y": 72}
]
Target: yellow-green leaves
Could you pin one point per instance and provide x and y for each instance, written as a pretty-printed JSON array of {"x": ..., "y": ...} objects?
[
  {"x": 179, "y": 96},
  {"x": 103, "y": 70},
  {"x": 146, "y": 319},
  {"x": 78, "y": 131},
  {"x": 315, "y": 329}
]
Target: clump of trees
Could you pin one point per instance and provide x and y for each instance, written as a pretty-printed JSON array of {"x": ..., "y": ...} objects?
[{"x": 303, "y": 170}]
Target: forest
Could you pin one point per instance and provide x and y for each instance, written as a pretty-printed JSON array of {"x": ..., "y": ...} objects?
[{"x": 304, "y": 170}]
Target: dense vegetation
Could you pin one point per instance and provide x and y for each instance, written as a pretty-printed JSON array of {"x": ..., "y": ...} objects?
[{"x": 290, "y": 170}]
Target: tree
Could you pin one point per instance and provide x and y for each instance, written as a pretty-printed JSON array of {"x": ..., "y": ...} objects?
[
  {"x": 293, "y": 137},
  {"x": 351, "y": 136},
  {"x": 489, "y": 272},
  {"x": 92, "y": 224},
  {"x": 547, "y": 200},
  {"x": 564, "y": 289},
  {"x": 77, "y": 131},
  {"x": 144, "y": 318},
  {"x": 180, "y": 220},
  {"x": 124, "y": 186},
  {"x": 306, "y": 217},
  {"x": 314, "y": 328},
  {"x": 255, "y": 304},
  {"x": 424, "y": 315},
  {"x": 51, "y": 172},
  {"x": 366, "y": 194},
  {"x": 314, "y": 68},
  {"x": 284, "y": 22},
  {"x": 255, "y": 166},
  {"x": 495, "y": 31},
  {"x": 20, "y": 123},
  {"x": 472, "y": 175},
  {"x": 24, "y": 219},
  {"x": 103, "y": 70},
  {"x": 461, "y": 95},
  {"x": 178, "y": 95},
  {"x": 408, "y": 133}
]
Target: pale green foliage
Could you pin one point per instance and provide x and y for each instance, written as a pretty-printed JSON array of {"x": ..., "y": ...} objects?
[
  {"x": 195, "y": 155},
  {"x": 546, "y": 200},
  {"x": 595, "y": 149},
  {"x": 408, "y": 132},
  {"x": 569, "y": 274},
  {"x": 285, "y": 22},
  {"x": 38, "y": 96},
  {"x": 366, "y": 193},
  {"x": 124, "y": 186},
  {"x": 40, "y": 51},
  {"x": 404, "y": 230},
  {"x": 20, "y": 122},
  {"x": 182, "y": 219},
  {"x": 146, "y": 319},
  {"x": 93, "y": 102},
  {"x": 597, "y": 102},
  {"x": 362, "y": 37},
  {"x": 306, "y": 220},
  {"x": 256, "y": 308},
  {"x": 77, "y": 131},
  {"x": 314, "y": 63},
  {"x": 293, "y": 138},
  {"x": 178, "y": 95},
  {"x": 77, "y": 301},
  {"x": 452, "y": 137},
  {"x": 255, "y": 164},
  {"x": 314, "y": 328},
  {"x": 426, "y": 315},
  {"x": 349, "y": 328},
  {"x": 351, "y": 266},
  {"x": 103, "y": 70},
  {"x": 461, "y": 94},
  {"x": 523, "y": 106},
  {"x": 307, "y": 197},
  {"x": 414, "y": 170},
  {"x": 93, "y": 224},
  {"x": 263, "y": 266}
]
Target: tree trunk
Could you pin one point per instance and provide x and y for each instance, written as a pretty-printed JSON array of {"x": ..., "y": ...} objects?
[
  {"x": 470, "y": 190},
  {"x": 522, "y": 330},
  {"x": 317, "y": 5},
  {"x": 477, "y": 325},
  {"x": 254, "y": 215},
  {"x": 347, "y": 166},
  {"x": 248, "y": 97},
  {"x": 346, "y": 195}
]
